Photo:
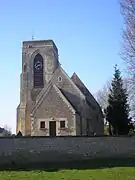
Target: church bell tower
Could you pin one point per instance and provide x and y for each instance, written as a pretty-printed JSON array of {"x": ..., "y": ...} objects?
[{"x": 39, "y": 61}]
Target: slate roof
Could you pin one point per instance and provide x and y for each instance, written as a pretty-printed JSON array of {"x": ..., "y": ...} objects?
[
  {"x": 70, "y": 100},
  {"x": 91, "y": 101}
]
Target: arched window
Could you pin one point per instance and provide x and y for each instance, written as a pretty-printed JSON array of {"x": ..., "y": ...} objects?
[{"x": 38, "y": 68}]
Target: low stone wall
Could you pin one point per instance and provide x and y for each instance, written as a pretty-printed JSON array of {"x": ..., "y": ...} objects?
[{"x": 45, "y": 149}]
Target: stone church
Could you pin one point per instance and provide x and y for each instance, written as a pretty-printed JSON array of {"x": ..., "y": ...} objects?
[{"x": 52, "y": 103}]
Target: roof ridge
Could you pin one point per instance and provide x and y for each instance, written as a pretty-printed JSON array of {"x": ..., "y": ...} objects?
[
  {"x": 73, "y": 83},
  {"x": 62, "y": 91},
  {"x": 36, "y": 105},
  {"x": 44, "y": 89},
  {"x": 75, "y": 77},
  {"x": 65, "y": 99}
]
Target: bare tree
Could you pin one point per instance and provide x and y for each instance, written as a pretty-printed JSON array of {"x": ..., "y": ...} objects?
[
  {"x": 130, "y": 84},
  {"x": 102, "y": 95},
  {"x": 128, "y": 51}
]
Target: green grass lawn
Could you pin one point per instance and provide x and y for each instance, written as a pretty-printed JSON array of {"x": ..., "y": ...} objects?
[
  {"x": 96, "y": 174},
  {"x": 104, "y": 169}
]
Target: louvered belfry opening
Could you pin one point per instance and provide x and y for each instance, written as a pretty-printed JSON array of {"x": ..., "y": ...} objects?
[{"x": 38, "y": 69}]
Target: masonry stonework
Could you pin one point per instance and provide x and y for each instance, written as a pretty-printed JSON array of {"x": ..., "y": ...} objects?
[
  {"x": 48, "y": 96},
  {"x": 45, "y": 149},
  {"x": 28, "y": 93},
  {"x": 55, "y": 105}
]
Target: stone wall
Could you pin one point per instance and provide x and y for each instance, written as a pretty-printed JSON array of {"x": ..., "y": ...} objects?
[
  {"x": 54, "y": 108},
  {"x": 49, "y": 52},
  {"x": 45, "y": 149}
]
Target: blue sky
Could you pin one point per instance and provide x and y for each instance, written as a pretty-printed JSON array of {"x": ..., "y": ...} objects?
[{"x": 86, "y": 32}]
